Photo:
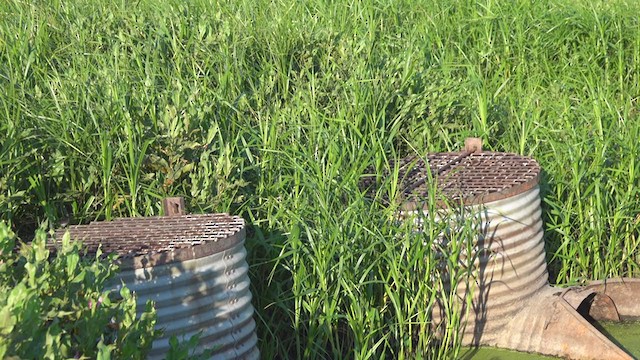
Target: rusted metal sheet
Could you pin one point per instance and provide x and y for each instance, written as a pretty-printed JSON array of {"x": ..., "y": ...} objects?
[
  {"x": 194, "y": 267},
  {"x": 624, "y": 292},
  {"x": 548, "y": 324}
]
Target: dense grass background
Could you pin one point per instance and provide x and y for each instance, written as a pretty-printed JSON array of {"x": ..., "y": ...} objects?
[{"x": 273, "y": 110}]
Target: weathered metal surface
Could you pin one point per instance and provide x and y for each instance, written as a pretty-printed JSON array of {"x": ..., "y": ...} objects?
[
  {"x": 208, "y": 294},
  {"x": 509, "y": 256},
  {"x": 463, "y": 177},
  {"x": 150, "y": 241},
  {"x": 193, "y": 267},
  {"x": 512, "y": 304},
  {"x": 509, "y": 265},
  {"x": 173, "y": 206},
  {"x": 549, "y": 325},
  {"x": 624, "y": 292}
]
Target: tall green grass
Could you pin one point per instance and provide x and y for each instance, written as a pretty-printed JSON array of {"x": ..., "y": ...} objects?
[{"x": 275, "y": 110}]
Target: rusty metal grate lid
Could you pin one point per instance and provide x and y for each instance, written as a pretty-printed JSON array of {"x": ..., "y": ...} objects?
[
  {"x": 150, "y": 241},
  {"x": 463, "y": 177}
]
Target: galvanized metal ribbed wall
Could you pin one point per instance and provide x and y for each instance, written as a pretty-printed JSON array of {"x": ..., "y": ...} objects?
[
  {"x": 194, "y": 268},
  {"x": 208, "y": 295},
  {"x": 509, "y": 264}
]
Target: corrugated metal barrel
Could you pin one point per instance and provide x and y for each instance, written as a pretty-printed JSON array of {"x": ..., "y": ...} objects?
[
  {"x": 509, "y": 265},
  {"x": 500, "y": 192},
  {"x": 194, "y": 267},
  {"x": 489, "y": 206}
]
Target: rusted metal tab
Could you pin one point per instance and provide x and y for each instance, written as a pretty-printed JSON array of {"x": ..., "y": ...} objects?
[
  {"x": 473, "y": 144},
  {"x": 173, "y": 206}
]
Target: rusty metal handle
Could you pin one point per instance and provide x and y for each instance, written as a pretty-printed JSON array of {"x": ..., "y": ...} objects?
[
  {"x": 472, "y": 144},
  {"x": 173, "y": 206}
]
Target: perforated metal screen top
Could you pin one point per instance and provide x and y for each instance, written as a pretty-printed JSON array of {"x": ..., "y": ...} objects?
[
  {"x": 467, "y": 177},
  {"x": 185, "y": 237}
]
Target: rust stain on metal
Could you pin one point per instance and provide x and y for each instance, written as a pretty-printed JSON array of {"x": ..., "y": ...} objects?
[
  {"x": 150, "y": 241},
  {"x": 173, "y": 206},
  {"x": 624, "y": 292},
  {"x": 602, "y": 307},
  {"x": 463, "y": 177}
]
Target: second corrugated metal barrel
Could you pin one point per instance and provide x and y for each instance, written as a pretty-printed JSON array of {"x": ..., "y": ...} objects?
[
  {"x": 500, "y": 192},
  {"x": 491, "y": 272},
  {"x": 194, "y": 268},
  {"x": 509, "y": 265}
]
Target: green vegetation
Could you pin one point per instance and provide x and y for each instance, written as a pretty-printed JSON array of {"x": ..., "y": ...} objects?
[
  {"x": 59, "y": 309},
  {"x": 273, "y": 110},
  {"x": 489, "y": 353},
  {"x": 626, "y": 334}
]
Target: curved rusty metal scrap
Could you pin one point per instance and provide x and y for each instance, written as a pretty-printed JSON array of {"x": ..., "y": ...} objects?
[
  {"x": 624, "y": 292},
  {"x": 508, "y": 300}
]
